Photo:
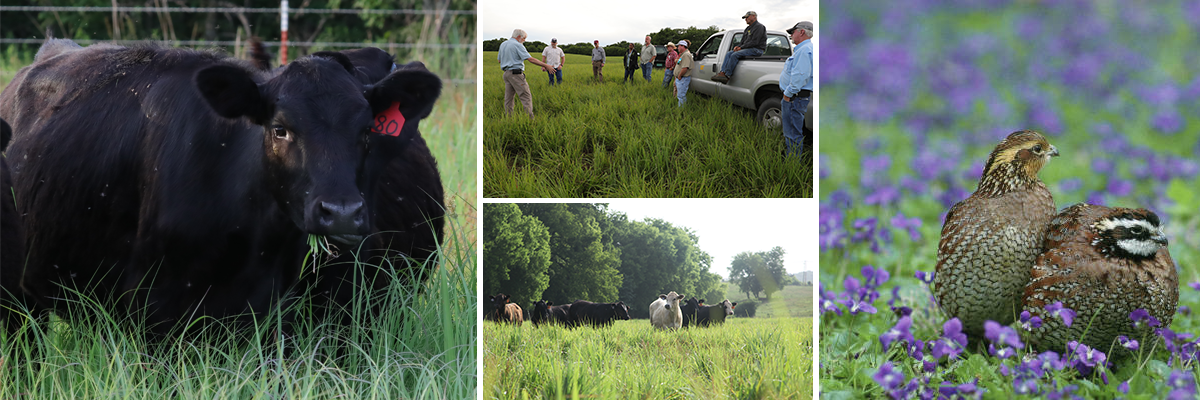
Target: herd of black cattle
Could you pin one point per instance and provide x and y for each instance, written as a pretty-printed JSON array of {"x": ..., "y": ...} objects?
[
  {"x": 173, "y": 184},
  {"x": 583, "y": 312}
]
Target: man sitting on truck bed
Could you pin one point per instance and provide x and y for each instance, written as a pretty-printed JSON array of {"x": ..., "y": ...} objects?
[{"x": 754, "y": 42}]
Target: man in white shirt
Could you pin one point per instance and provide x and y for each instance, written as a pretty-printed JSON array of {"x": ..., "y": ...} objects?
[{"x": 554, "y": 56}]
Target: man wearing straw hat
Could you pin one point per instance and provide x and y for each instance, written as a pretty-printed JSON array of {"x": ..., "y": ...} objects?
[{"x": 669, "y": 65}]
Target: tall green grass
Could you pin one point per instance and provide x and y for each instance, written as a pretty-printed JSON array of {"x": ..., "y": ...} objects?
[
  {"x": 423, "y": 344},
  {"x": 746, "y": 358},
  {"x": 609, "y": 139},
  {"x": 789, "y": 301}
]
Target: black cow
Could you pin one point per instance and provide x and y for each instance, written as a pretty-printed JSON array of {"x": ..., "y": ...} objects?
[
  {"x": 186, "y": 182},
  {"x": 708, "y": 315},
  {"x": 597, "y": 314},
  {"x": 689, "y": 308},
  {"x": 545, "y": 312},
  {"x": 12, "y": 245}
]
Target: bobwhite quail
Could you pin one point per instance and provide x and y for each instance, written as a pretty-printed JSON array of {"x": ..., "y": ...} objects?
[
  {"x": 1104, "y": 263},
  {"x": 991, "y": 239}
]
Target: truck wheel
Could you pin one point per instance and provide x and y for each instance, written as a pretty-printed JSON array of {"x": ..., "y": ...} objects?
[{"x": 770, "y": 113}]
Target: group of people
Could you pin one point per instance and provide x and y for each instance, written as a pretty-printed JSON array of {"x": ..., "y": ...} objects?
[{"x": 796, "y": 80}]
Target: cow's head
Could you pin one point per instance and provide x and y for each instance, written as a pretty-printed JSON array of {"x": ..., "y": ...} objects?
[
  {"x": 620, "y": 310},
  {"x": 318, "y": 122},
  {"x": 541, "y": 311},
  {"x": 672, "y": 299},
  {"x": 728, "y": 307},
  {"x": 691, "y": 304}
]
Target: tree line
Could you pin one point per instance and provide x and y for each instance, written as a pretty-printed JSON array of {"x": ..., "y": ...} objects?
[
  {"x": 693, "y": 34},
  {"x": 568, "y": 252}
]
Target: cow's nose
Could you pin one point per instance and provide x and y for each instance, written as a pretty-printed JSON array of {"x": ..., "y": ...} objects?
[
  {"x": 340, "y": 217},
  {"x": 668, "y": 306}
]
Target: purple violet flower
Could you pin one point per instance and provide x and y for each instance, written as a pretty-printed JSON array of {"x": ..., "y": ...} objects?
[
  {"x": 899, "y": 332},
  {"x": 1084, "y": 358},
  {"x": 1067, "y": 315},
  {"x": 927, "y": 277},
  {"x": 1127, "y": 343},
  {"x": 1001, "y": 334},
  {"x": 952, "y": 342},
  {"x": 1183, "y": 385},
  {"x": 1140, "y": 316},
  {"x": 1029, "y": 322}
]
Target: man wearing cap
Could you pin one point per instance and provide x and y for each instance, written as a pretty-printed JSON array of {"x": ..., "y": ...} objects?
[
  {"x": 647, "y": 58},
  {"x": 669, "y": 65},
  {"x": 598, "y": 59},
  {"x": 554, "y": 56},
  {"x": 796, "y": 82},
  {"x": 683, "y": 72},
  {"x": 754, "y": 43},
  {"x": 512, "y": 59}
]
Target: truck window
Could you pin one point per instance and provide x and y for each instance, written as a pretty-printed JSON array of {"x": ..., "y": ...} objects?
[
  {"x": 777, "y": 45},
  {"x": 710, "y": 46},
  {"x": 737, "y": 40}
]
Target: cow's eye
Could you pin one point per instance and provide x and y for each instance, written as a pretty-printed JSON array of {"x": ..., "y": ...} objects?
[{"x": 280, "y": 132}]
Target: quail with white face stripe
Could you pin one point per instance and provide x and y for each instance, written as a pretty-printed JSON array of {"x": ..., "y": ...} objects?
[{"x": 1104, "y": 263}]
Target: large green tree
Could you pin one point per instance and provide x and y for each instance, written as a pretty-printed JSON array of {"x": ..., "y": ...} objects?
[
  {"x": 658, "y": 257},
  {"x": 583, "y": 264},
  {"x": 758, "y": 272},
  {"x": 516, "y": 253}
]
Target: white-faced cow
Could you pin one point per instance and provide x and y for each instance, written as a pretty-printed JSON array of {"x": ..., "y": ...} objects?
[
  {"x": 176, "y": 183},
  {"x": 665, "y": 312},
  {"x": 714, "y": 314}
]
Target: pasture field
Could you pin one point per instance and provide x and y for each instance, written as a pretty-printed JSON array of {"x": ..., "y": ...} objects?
[
  {"x": 422, "y": 346},
  {"x": 792, "y": 301},
  {"x": 746, "y": 358},
  {"x": 608, "y": 139},
  {"x": 914, "y": 138}
]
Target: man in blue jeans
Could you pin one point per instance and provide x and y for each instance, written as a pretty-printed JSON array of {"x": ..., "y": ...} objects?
[
  {"x": 754, "y": 43},
  {"x": 683, "y": 72},
  {"x": 796, "y": 82},
  {"x": 646, "y": 58}
]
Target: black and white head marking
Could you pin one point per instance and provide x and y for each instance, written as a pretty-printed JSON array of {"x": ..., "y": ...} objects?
[{"x": 1129, "y": 237}]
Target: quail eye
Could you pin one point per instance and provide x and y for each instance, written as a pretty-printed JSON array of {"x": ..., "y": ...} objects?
[
  {"x": 1137, "y": 230},
  {"x": 1037, "y": 148}
]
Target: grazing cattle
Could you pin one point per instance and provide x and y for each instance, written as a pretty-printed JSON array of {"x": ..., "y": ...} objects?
[
  {"x": 597, "y": 314},
  {"x": 185, "y": 183},
  {"x": 503, "y": 311},
  {"x": 715, "y": 314},
  {"x": 689, "y": 308},
  {"x": 545, "y": 312},
  {"x": 665, "y": 312}
]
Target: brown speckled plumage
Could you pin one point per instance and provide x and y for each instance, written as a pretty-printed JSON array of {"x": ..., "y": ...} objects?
[
  {"x": 1086, "y": 267},
  {"x": 990, "y": 240}
]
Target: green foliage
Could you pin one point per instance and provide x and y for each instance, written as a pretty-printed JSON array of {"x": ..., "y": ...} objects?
[
  {"x": 696, "y": 36},
  {"x": 517, "y": 253},
  {"x": 746, "y": 309},
  {"x": 791, "y": 301},
  {"x": 582, "y": 264},
  {"x": 759, "y": 272},
  {"x": 606, "y": 139},
  {"x": 742, "y": 359}
]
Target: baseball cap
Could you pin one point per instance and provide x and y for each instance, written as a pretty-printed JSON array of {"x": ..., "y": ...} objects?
[
  {"x": 553, "y": 40},
  {"x": 805, "y": 25},
  {"x": 595, "y": 41},
  {"x": 749, "y": 13}
]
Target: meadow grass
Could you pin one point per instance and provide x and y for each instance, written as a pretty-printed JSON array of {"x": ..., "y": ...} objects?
[
  {"x": 591, "y": 139},
  {"x": 790, "y": 301},
  {"x": 423, "y": 345},
  {"x": 746, "y": 358}
]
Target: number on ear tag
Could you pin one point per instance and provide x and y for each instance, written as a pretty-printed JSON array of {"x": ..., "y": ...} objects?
[{"x": 390, "y": 121}]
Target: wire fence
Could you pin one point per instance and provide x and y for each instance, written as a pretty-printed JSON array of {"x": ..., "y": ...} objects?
[{"x": 245, "y": 10}]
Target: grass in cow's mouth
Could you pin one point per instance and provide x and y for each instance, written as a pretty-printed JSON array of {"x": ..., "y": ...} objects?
[{"x": 422, "y": 344}]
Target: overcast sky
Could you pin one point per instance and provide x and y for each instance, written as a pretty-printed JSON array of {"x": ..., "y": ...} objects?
[
  {"x": 727, "y": 227},
  {"x": 573, "y": 22}
]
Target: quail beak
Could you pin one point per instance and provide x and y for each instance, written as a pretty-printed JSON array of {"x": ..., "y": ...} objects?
[
  {"x": 1053, "y": 151},
  {"x": 1160, "y": 238}
]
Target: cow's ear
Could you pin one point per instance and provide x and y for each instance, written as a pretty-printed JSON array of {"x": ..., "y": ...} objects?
[
  {"x": 413, "y": 89},
  {"x": 336, "y": 57},
  {"x": 549, "y": 303},
  {"x": 733, "y": 305},
  {"x": 232, "y": 93},
  {"x": 662, "y": 296},
  {"x": 701, "y": 301}
]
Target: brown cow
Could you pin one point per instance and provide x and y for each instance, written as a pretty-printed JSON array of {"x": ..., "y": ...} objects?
[{"x": 504, "y": 311}]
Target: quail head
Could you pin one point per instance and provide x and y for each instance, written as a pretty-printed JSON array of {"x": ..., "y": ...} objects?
[
  {"x": 1103, "y": 263},
  {"x": 990, "y": 240}
]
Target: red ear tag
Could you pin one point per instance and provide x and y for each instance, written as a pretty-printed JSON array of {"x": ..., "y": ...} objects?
[{"x": 390, "y": 121}]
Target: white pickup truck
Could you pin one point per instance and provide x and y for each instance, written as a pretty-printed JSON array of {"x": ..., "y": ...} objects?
[{"x": 755, "y": 83}]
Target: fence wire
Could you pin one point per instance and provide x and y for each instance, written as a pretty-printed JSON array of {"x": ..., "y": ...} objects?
[{"x": 245, "y": 10}]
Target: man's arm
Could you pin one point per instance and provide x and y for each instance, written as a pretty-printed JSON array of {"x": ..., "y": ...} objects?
[{"x": 545, "y": 67}]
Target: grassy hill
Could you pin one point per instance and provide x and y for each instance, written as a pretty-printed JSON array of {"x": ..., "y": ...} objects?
[{"x": 792, "y": 301}]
